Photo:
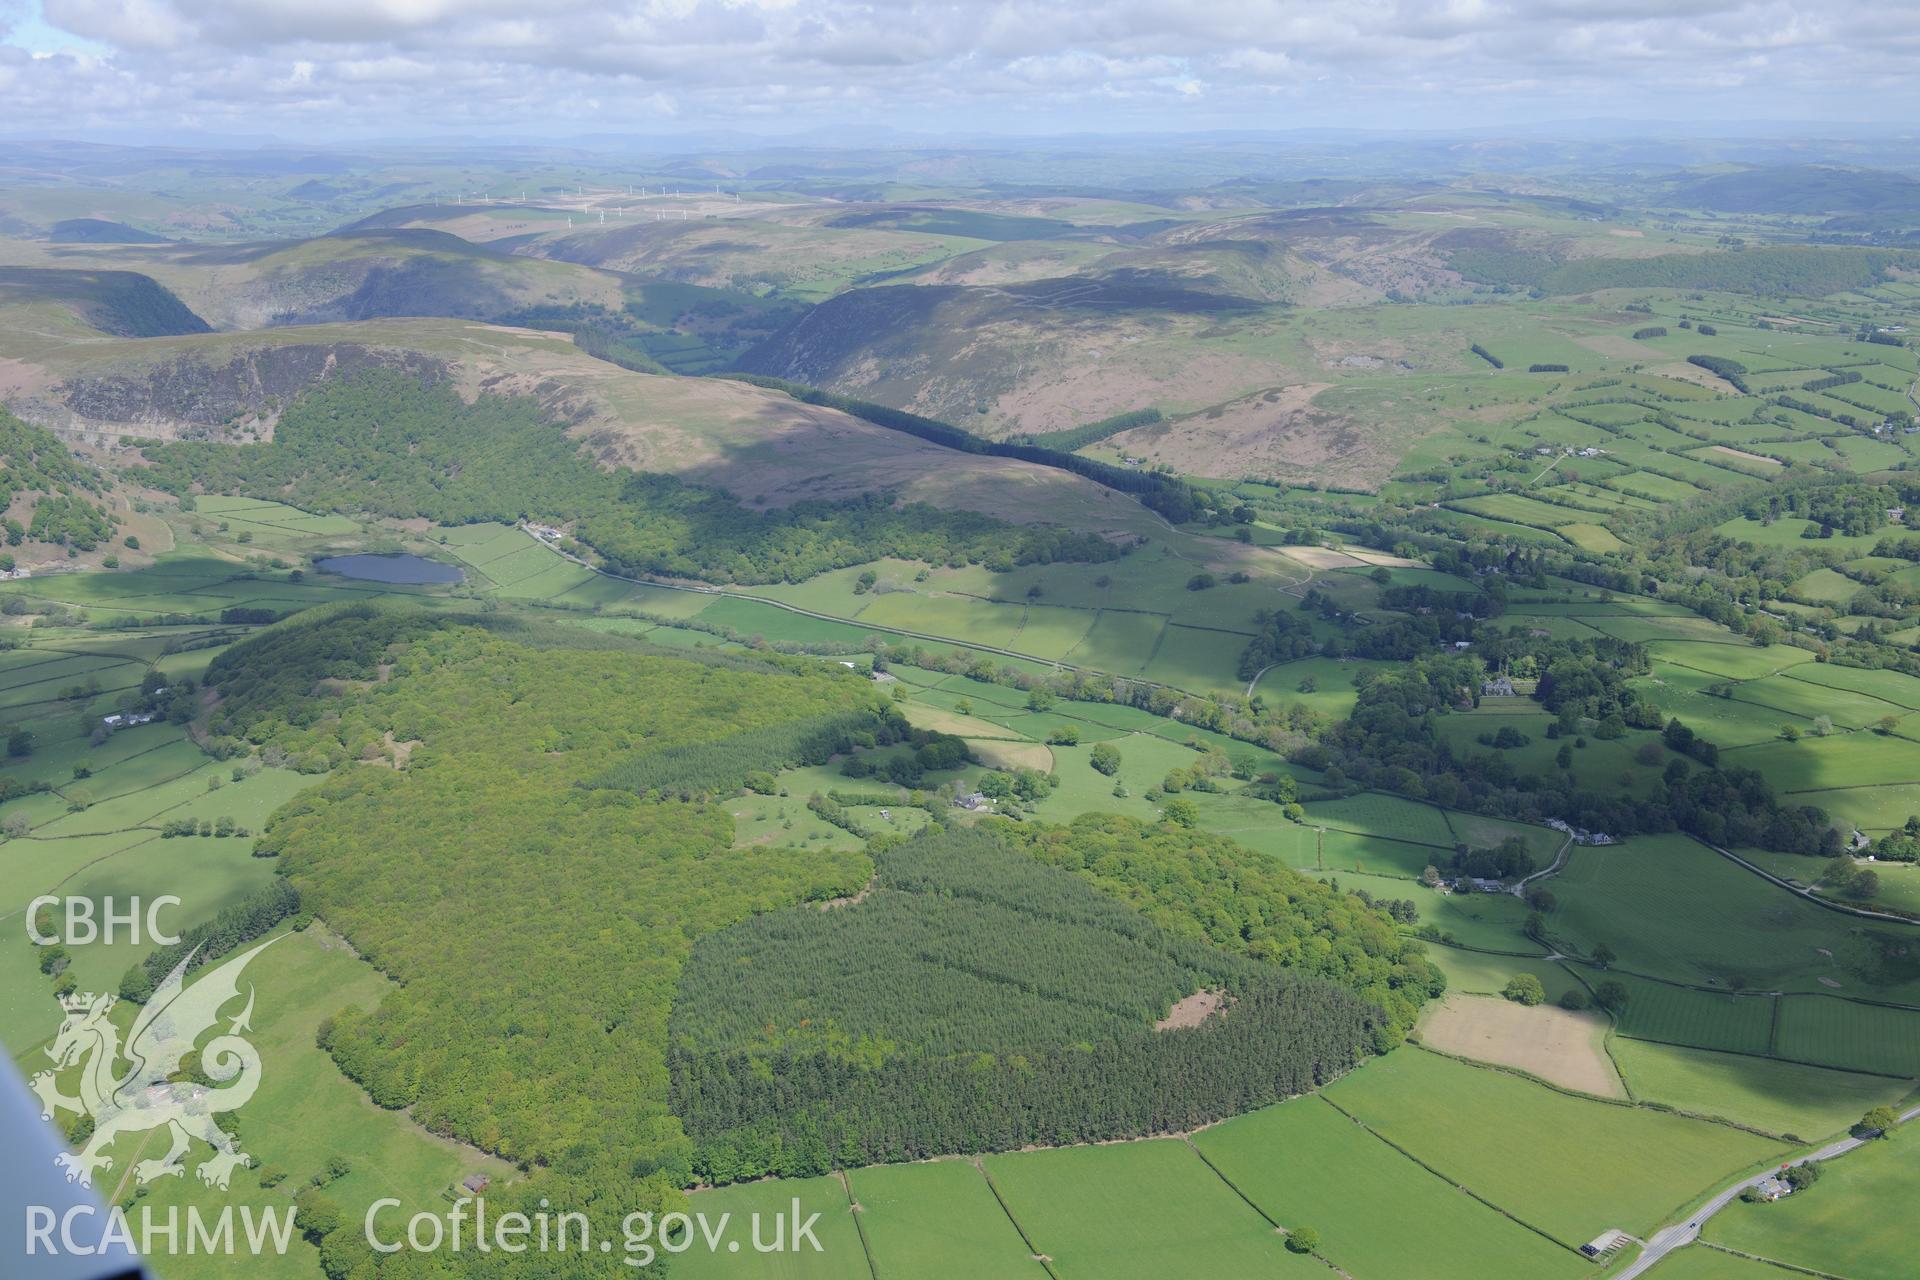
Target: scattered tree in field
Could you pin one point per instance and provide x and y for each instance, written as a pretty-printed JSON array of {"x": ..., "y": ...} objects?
[
  {"x": 1303, "y": 1239},
  {"x": 1105, "y": 758},
  {"x": 1876, "y": 1123},
  {"x": 1524, "y": 988},
  {"x": 1611, "y": 996},
  {"x": 1603, "y": 956},
  {"x": 1573, "y": 999},
  {"x": 1180, "y": 811}
]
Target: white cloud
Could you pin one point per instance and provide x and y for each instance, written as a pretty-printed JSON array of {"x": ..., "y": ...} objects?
[{"x": 390, "y": 66}]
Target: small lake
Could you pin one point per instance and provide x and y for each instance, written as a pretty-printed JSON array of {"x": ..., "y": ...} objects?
[{"x": 400, "y": 570}]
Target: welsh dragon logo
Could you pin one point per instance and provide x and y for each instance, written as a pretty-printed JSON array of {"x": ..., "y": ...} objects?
[{"x": 148, "y": 1092}]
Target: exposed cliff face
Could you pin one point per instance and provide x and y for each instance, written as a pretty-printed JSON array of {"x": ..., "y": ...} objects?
[{"x": 193, "y": 397}]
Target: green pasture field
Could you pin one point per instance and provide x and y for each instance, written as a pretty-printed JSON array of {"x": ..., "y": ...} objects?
[
  {"x": 751, "y": 618},
  {"x": 1783, "y": 1098},
  {"x": 974, "y": 621},
  {"x": 1120, "y": 643},
  {"x": 786, "y": 820},
  {"x": 205, "y": 872},
  {"x": 1199, "y": 660},
  {"x": 1896, "y": 687},
  {"x": 1850, "y": 1035},
  {"x": 1144, "y": 762},
  {"x": 1857, "y": 1222},
  {"x": 841, "y": 1256},
  {"x": 1379, "y": 1215},
  {"x": 1489, "y": 920},
  {"x": 141, "y": 777},
  {"x": 1703, "y": 1263},
  {"x": 1634, "y": 1166},
  {"x": 1517, "y": 509},
  {"x": 1691, "y": 1017},
  {"x": 1757, "y": 465},
  {"x": 1242, "y": 755},
  {"x": 1726, "y": 722},
  {"x": 1420, "y": 577},
  {"x": 1812, "y": 453},
  {"x": 1785, "y": 532},
  {"x": 1484, "y": 973},
  {"x": 1257, "y": 824},
  {"x": 1052, "y": 632},
  {"x": 1839, "y": 761},
  {"x": 1592, "y": 537},
  {"x": 600, "y": 591},
  {"x": 1825, "y": 586},
  {"x": 1468, "y": 524},
  {"x": 1899, "y": 886},
  {"x": 1671, "y": 908},
  {"x": 1485, "y": 833},
  {"x": 271, "y": 515},
  {"x": 1557, "y": 627},
  {"x": 834, "y": 591},
  {"x": 529, "y": 561},
  {"x": 1602, "y": 765},
  {"x": 1231, "y": 606},
  {"x": 1864, "y": 453},
  {"x": 1729, "y": 661},
  {"x": 1807, "y": 701},
  {"x": 549, "y": 583},
  {"x": 1657, "y": 488},
  {"x": 1584, "y": 493},
  {"x": 306, "y": 1113},
  {"x": 137, "y": 807},
  {"x": 1039, "y": 725},
  {"x": 1138, "y": 1209},
  {"x": 1377, "y": 813},
  {"x": 939, "y": 1220},
  {"x": 1333, "y": 692}
]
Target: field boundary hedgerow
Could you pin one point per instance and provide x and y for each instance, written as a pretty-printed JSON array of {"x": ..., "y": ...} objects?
[
  {"x": 1454, "y": 1183},
  {"x": 1033, "y": 1250}
]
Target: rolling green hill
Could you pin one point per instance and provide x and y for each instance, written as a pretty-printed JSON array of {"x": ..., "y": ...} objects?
[{"x": 120, "y": 304}]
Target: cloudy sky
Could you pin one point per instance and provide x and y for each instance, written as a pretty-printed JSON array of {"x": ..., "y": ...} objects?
[{"x": 331, "y": 69}]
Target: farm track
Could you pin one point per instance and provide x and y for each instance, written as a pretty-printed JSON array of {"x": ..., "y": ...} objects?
[
  {"x": 1864, "y": 913},
  {"x": 1553, "y": 868}
]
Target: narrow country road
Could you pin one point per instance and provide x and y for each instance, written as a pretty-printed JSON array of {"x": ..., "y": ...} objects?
[
  {"x": 1519, "y": 889},
  {"x": 1685, "y": 1233}
]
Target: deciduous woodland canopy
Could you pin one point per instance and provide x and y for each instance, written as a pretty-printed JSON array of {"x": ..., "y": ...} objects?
[
  {"x": 619, "y": 968},
  {"x": 65, "y": 494},
  {"x": 385, "y": 443},
  {"x": 537, "y": 926}
]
